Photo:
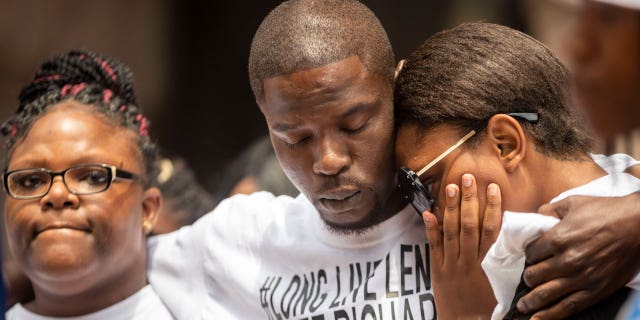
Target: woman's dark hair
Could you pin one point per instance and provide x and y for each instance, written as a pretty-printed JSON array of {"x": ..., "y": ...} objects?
[
  {"x": 473, "y": 71},
  {"x": 89, "y": 78}
]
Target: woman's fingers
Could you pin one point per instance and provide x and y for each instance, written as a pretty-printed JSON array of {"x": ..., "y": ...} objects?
[
  {"x": 451, "y": 224},
  {"x": 434, "y": 235},
  {"x": 492, "y": 220},
  {"x": 469, "y": 221}
]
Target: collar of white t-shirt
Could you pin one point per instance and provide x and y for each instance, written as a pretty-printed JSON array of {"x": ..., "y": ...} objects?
[{"x": 144, "y": 304}]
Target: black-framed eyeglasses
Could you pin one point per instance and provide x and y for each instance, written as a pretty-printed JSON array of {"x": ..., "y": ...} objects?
[
  {"x": 412, "y": 189},
  {"x": 83, "y": 179}
]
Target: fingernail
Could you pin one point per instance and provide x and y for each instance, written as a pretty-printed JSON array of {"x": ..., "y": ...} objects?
[
  {"x": 493, "y": 189},
  {"x": 451, "y": 191},
  {"x": 466, "y": 180},
  {"x": 522, "y": 307}
]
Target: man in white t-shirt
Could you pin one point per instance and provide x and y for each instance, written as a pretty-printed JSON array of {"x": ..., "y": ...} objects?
[{"x": 346, "y": 248}]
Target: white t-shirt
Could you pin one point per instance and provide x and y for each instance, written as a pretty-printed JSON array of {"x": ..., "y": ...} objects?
[
  {"x": 618, "y": 162},
  {"x": 505, "y": 260},
  {"x": 266, "y": 257},
  {"x": 142, "y": 305}
]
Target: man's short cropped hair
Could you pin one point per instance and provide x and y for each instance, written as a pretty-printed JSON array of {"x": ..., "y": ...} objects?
[{"x": 304, "y": 34}]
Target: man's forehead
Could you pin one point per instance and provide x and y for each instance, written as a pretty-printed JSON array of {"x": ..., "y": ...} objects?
[
  {"x": 320, "y": 114},
  {"x": 345, "y": 82},
  {"x": 309, "y": 80}
]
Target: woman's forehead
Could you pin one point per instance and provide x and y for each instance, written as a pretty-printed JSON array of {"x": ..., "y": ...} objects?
[
  {"x": 69, "y": 135},
  {"x": 417, "y": 145}
]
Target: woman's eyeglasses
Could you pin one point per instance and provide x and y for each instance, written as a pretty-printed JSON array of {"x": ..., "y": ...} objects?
[
  {"x": 412, "y": 189},
  {"x": 82, "y": 179}
]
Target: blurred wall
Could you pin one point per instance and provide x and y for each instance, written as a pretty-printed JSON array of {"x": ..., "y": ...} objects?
[{"x": 133, "y": 31}]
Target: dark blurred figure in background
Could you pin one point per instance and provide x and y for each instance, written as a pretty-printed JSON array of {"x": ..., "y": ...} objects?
[
  {"x": 184, "y": 199},
  {"x": 604, "y": 56},
  {"x": 255, "y": 169},
  {"x": 599, "y": 41}
]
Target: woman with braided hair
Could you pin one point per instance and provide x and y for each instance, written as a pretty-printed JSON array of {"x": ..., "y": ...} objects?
[{"x": 79, "y": 202}]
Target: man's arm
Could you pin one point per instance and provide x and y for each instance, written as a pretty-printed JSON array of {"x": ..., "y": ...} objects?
[{"x": 588, "y": 255}]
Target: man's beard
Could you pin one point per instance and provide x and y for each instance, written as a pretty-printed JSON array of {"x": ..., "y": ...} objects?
[{"x": 375, "y": 217}]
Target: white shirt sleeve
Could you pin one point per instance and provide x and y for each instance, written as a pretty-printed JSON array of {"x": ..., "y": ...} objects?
[
  {"x": 505, "y": 260},
  {"x": 213, "y": 258},
  {"x": 614, "y": 163},
  {"x": 177, "y": 265}
]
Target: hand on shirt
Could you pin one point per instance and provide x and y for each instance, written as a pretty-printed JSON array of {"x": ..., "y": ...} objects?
[
  {"x": 589, "y": 254},
  {"x": 457, "y": 248}
]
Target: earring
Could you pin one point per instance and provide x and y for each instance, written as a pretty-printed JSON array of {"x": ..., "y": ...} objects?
[{"x": 146, "y": 227}]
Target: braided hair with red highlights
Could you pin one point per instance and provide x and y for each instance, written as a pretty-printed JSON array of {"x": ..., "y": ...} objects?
[{"x": 91, "y": 79}]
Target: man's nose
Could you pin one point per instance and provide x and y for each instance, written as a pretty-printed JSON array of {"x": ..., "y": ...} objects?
[{"x": 331, "y": 157}]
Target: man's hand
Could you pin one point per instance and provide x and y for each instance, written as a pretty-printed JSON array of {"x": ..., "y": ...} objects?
[
  {"x": 461, "y": 288},
  {"x": 593, "y": 251}
]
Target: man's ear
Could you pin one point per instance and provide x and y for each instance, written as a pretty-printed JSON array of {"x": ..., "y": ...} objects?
[
  {"x": 399, "y": 68},
  {"x": 151, "y": 205},
  {"x": 509, "y": 140}
]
